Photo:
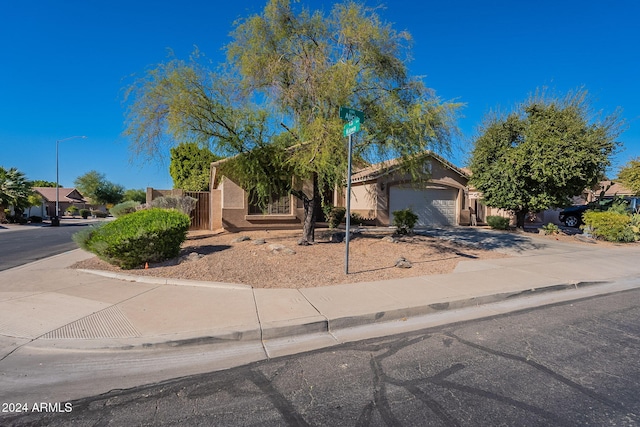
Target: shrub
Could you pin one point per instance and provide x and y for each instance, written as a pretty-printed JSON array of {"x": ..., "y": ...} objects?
[
  {"x": 124, "y": 208},
  {"x": 356, "y": 219},
  {"x": 84, "y": 213},
  {"x": 610, "y": 225},
  {"x": 184, "y": 204},
  {"x": 72, "y": 210},
  {"x": 334, "y": 215},
  {"x": 152, "y": 235},
  {"x": 404, "y": 221},
  {"x": 550, "y": 228},
  {"x": 498, "y": 222},
  {"x": 35, "y": 219},
  {"x": 83, "y": 236},
  {"x": 99, "y": 214}
]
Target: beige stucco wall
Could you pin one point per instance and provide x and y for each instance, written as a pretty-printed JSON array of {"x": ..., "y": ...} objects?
[
  {"x": 371, "y": 198},
  {"x": 232, "y": 210},
  {"x": 233, "y": 196}
]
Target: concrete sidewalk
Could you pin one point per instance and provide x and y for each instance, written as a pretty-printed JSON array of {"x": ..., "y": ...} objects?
[{"x": 45, "y": 304}]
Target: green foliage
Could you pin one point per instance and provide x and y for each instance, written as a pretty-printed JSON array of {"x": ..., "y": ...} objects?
[
  {"x": 83, "y": 237},
  {"x": 88, "y": 183},
  {"x": 184, "y": 204},
  {"x": 629, "y": 175},
  {"x": 544, "y": 153},
  {"x": 136, "y": 195},
  {"x": 84, "y": 213},
  {"x": 275, "y": 103},
  {"x": 356, "y": 219},
  {"x": 72, "y": 210},
  {"x": 190, "y": 166},
  {"x": 498, "y": 222},
  {"x": 151, "y": 235},
  {"x": 334, "y": 215},
  {"x": 550, "y": 228},
  {"x": 124, "y": 208},
  {"x": 99, "y": 214},
  {"x": 611, "y": 226},
  {"x": 15, "y": 190},
  {"x": 43, "y": 183},
  {"x": 98, "y": 189},
  {"x": 619, "y": 205},
  {"x": 404, "y": 221},
  {"x": 108, "y": 193}
]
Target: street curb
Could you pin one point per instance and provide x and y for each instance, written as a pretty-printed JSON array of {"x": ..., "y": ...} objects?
[
  {"x": 432, "y": 308},
  {"x": 294, "y": 328},
  {"x": 165, "y": 281}
]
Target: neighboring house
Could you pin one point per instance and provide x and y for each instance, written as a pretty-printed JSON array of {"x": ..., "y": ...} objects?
[
  {"x": 611, "y": 189},
  {"x": 377, "y": 191},
  {"x": 443, "y": 200},
  {"x": 66, "y": 198}
]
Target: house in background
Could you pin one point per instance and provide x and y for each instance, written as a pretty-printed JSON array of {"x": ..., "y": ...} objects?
[
  {"x": 377, "y": 191},
  {"x": 67, "y": 197}
]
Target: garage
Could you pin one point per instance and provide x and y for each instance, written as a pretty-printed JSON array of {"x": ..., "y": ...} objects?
[{"x": 435, "y": 206}]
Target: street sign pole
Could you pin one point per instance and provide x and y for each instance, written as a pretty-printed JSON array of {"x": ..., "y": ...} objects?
[
  {"x": 348, "y": 213},
  {"x": 354, "y": 118}
]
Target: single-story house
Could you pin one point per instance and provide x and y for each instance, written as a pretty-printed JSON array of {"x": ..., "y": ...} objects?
[
  {"x": 381, "y": 189},
  {"x": 67, "y": 197},
  {"x": 377, "y": 191}
]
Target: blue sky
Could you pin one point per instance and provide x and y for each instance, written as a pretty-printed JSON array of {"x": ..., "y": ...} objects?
[{"x": 65, "y": 64}]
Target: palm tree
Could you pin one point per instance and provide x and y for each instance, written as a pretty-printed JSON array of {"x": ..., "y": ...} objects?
[{"x": 15, "y": 190}]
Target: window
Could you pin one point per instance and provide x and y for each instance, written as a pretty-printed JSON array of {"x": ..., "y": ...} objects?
[{"x": 278, "y": 205}]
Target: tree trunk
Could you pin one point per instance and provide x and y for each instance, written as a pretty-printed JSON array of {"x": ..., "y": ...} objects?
[
  {"x": 520, "y": 218},
  {"x": 309, "y": 224}
]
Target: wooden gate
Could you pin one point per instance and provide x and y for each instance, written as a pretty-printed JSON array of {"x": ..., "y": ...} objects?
[{"x": 201, "y": 215}]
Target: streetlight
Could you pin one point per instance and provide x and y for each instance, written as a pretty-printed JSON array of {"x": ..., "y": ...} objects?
[{"x": 56, "y": 219}]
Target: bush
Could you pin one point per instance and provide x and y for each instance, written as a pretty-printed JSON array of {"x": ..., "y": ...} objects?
[
  {"x": 498, "y": 222},
  {"x": 99, "y": 214},
  {"x": 334, "y": 215},
  {"x": 130, "y": 241},
  {"x": 84, "y": 213},
  {"x": 610, "y": 225},
  {"x": 184, "y": 204},
  {"x": 550, "y": 228},
  {"x": 356, "y": 219},
  {"x": 404, "y": 221},
  {"x": 35, "y": 219},
  {"x": 83, "y": 236},
  {"x": 124, "y": 208},
  {"x": 72, "y": 210}
]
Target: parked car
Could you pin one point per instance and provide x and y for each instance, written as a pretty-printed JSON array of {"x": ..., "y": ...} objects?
[{"x": 572, "y": 215}]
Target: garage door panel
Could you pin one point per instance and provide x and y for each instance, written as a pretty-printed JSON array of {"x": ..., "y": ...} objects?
[{"x": 434, "y": 207}]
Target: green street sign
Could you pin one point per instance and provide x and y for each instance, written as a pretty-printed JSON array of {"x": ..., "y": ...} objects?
[
  {"x": 349, "y": 114},
  {"x": 352, "y": 127}
]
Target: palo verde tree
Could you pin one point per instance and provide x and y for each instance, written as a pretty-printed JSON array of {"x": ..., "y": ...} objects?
[
  {"x": 629, "y": 175},
  {"x": 190, "y": 166},
  {"x": 274, "y": 104},
  {"x": 542, "y": 154}
]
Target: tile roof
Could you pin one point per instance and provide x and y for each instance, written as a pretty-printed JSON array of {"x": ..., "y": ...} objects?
[
  {"x": 70, "y": 195},
  {"x": 379, "y": 169}
]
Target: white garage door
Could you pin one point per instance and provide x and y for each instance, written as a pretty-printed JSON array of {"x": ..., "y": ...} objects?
[{"x": 434, "y": 206}]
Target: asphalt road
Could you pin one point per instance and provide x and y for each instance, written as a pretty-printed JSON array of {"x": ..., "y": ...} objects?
[
  {"x": 569, "y": 364},
  {"x": 34, "y": 243}
]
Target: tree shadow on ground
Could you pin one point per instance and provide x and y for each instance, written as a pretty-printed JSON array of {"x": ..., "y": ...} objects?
[
  {"x": 205, "y": 249},
  {"x": 485, "y": 239}
]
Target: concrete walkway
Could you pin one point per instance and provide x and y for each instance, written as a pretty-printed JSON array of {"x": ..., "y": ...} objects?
[{"x": 45, "y": 304}]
